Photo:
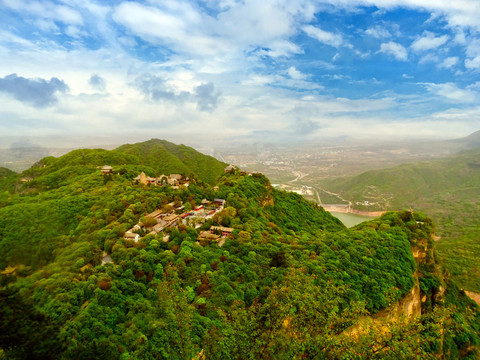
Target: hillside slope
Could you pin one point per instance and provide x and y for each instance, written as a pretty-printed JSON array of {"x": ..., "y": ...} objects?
[
  {"x": 8, "y": 179},
  {"x": 447, "y": 189}
]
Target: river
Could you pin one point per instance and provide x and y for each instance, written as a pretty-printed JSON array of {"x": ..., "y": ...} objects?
[{"x": 350, "y": 220}]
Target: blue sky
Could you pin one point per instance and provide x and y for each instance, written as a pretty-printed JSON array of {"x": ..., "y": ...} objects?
[{"x": 240, "y": 69}]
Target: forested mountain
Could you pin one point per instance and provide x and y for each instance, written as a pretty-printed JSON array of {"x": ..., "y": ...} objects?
[
  {"x": 165, "y": 157},
  {"x": 236, "y": 271},
  {"x": 73, "y": 181},
  {"x": 447, "y": 189}
]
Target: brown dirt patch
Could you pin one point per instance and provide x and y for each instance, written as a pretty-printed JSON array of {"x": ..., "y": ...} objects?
[{"x": 474, "y": 296}]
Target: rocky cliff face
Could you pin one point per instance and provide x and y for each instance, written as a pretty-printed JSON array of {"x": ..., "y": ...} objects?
[
  {"x": 410, "y": 306},
  {"x": 268, "y": 199}
]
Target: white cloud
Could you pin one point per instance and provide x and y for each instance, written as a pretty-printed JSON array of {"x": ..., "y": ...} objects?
[
  {"x": 429, "y": 58},
  {"x": 46, "y": 10},
  {"x": 473, "y": 54},
  {"x": 243, "y": 27},
  {"x": 74, "y": 32},
  {"x": 395, "y": 49},
  {"x": 449, "y": 62},
  {"x": 295, "y": 74},
  {"x": 295, "y": 80},
  {"x": 47, "y": 25},
  {"x": 457, "y": 121},
  {"x": 378, "y": 32},
  {"x": 256, "y": 22},
  {"x": 176, "y": 26},
  {"x": 460, "y": 37},
  {"x": 428, "y": 42},
  {"x": 452, "y": 92},
  {"x": 362, "y": 55},
  {"x": 281, "y": 48},
  {"x": 323, "y": 36},
  {"x": 259, "y": 80},
  {"x": 473, "y": 64},
  {"x": 475, "y": 86}
]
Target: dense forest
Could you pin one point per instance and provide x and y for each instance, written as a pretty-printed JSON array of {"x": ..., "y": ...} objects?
[{"x": 288, "y": 281}]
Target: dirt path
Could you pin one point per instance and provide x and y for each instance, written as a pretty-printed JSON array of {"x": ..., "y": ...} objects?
[{"x": 474, "y": 296}]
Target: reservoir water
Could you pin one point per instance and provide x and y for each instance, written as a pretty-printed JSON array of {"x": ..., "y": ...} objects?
[{"x": 350, "y": 220}]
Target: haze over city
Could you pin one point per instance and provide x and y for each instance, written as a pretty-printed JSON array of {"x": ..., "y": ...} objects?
[{"x": 277, "y": 70}]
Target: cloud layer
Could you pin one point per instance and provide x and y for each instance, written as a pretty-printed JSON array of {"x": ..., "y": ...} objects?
[{"x": 307, "y": 68}]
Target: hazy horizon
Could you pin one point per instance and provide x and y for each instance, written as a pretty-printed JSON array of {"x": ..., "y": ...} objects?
[{"x": 76, "y": 142}]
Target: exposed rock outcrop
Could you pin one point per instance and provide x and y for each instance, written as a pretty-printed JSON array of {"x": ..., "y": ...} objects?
[{"x": 410, "y": 306}]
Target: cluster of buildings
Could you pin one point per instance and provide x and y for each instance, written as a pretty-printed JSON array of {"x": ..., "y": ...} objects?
[
  {"x": 365, "y": 203},
  {"x": 197, "y": 216},
  {"x": 233, "y": 168},
  {"x": 162, "y": 220},
  {"x": 303, "y": 190},
  {"x": 216, "y": 234},
  {"x": 174, "y": 180}
]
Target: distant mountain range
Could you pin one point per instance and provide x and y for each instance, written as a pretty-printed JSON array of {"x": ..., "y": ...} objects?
[
  {"x": 452, "y": 146},
  {"x": 470, "y": 142},
  {"x": 23, "y": 153},
  {"x": 409, "y": 185}
]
